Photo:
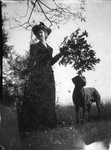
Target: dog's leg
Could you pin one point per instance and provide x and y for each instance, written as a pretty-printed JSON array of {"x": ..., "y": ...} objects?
[
  {"x": 89, "y": 110},
  {"x": 77, "y": 114},
  {"x": 97, "y": 98},
  {"x": 98, "y": 107},
  {"x": 83, "y": 116}
]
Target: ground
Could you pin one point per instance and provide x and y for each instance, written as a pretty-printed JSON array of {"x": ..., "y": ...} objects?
[{"x": 64, "y": 137}]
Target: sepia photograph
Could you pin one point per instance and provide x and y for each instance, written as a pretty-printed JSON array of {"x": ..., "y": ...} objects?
[{"x": 55, "y": 74}]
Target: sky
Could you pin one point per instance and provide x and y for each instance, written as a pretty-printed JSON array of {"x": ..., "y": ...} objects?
[{"x": 98, "y": 26}]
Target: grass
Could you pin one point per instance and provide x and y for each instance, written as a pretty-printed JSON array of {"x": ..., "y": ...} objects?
[{"x": 63, "y": 137}]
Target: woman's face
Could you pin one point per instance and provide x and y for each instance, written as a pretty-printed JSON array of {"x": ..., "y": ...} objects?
[{"x": 41, "y": 35}]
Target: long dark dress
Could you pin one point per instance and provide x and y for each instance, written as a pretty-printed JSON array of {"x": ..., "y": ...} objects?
[{"x": 38, "y": 108}]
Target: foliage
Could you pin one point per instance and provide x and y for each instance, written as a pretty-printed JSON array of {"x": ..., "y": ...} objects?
[
  {"x": 78, "y": 52},
  {"x": 18, "y": 74},
  {"x": 8, "y": 96},
  {"x": 6, "y": 49},
  {"x": 19, "y": 65},
  {"x": 9, "y": 91}
]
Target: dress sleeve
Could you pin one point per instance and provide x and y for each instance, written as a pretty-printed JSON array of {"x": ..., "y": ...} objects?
[{"x": 56, "y": 58}]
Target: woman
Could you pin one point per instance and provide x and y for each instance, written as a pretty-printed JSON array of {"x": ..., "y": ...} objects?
[{"x": 38, "y": 108}]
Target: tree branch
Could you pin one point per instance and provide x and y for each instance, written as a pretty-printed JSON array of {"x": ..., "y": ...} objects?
[
  {"x": 57, "y": 14},
  {"x": 44, "y": 13}
]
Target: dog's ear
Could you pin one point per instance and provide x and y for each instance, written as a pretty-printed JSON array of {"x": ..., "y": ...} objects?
[{"x": 83, "y": 80}]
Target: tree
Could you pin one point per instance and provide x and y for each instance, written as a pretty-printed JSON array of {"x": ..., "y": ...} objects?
[
  {"x": 78, "y": 52},
  {"x": 5, "y": 47},
  {"x": 6, "y": 50}
]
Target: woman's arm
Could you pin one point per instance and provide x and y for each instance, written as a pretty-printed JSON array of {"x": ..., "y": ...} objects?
[{"x": 56, "y": 58}]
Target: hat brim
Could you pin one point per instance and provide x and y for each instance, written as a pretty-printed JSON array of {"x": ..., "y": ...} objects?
[{"x": 37, "y": 28}]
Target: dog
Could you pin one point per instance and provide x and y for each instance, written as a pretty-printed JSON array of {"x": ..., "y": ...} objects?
[{"x": 84, "y": 97}]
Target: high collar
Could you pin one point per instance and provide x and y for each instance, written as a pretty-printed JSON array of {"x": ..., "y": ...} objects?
[{"x": 43, "y": 44}]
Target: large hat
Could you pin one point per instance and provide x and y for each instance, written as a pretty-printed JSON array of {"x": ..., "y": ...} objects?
[{"x": 41, "y": 26}]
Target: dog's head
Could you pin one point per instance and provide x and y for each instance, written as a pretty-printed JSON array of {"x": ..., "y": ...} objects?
[{"x": 79, "y": 81}]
